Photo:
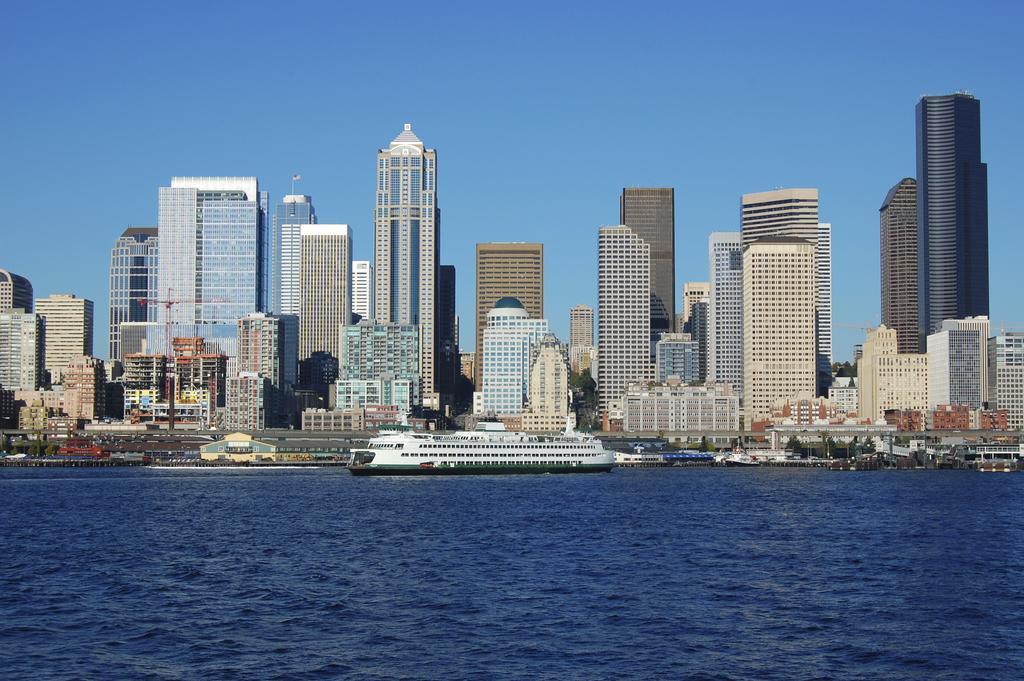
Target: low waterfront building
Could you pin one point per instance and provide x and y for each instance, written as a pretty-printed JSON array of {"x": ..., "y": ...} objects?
[
  {"x": 805, "y": 410},
  {"x": 333, "y": 420},
  {"x": 239, "y": 448},
  {"x": 673, "y": 406},
  {"x": 905, "y": 420}
]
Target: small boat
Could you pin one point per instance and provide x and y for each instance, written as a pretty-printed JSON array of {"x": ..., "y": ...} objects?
[{"x": 740, "y": 459}]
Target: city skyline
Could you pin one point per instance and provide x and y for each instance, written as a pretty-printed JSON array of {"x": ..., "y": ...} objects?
[{"x": 852, "y": 156}]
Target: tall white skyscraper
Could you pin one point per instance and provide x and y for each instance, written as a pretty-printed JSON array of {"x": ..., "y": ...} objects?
[
  {"x": 794, "y": 213},
  {"x": 510, "y": 341},
  {"x": 725, "y": 309},
  {"x": 623, "y": 312},
  {"x": 406, "y": 246},
  {"x": 326, "y": 272},
  {"x": 362, "y": 288},
  {"x": 294, "y": 211},
  {"x": 778, "y": 323},
  {"x": 213, "y": 258}
]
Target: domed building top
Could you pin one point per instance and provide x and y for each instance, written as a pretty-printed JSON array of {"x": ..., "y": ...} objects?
[{"x": 508, "y": 307}]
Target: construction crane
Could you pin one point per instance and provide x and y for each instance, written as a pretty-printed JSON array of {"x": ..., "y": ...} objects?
[{"x": 168, "y": 303}]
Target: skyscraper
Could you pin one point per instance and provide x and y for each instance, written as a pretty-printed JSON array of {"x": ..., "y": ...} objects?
[
  {"x": 511, "y": 339},
  {"x": 447, "y": 332},
  {"x": 362, "y": 289},
  {"x": 406, "y": 246},
  {"x": 507, "y": 270},
  {"x": 779, "y": 360},
  {"x": 294, "y": 211},
  {"x": 581, "y": 326},
  {"x": 68, "y": 330},
  {"x": 956, "y": 365},
  {"x": 623, "y": 312},
  {"x": 794, "y": 213},
  {"x": 650, "y": 213},
  {"x": 213, "y": 248},
  {"x": 897, "y": 220},
  {"x": 133, "y": 281},
  {"x": 725, "y": 309},
  {"x": 15, "y": 292},
  {"x": 1006, "y": 376},
  {"x": 693, "y": 292},
  {"x": 952, "y": 211},
  {"x": 22, "y": 350},
  {"x": 326, "y": 272}
]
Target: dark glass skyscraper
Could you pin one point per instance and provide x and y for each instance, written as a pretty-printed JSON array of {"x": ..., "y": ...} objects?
[
  {"x": 650, "y": 213},
  {"x": 897, "y": 220},
  {"x": 447, "y": 330},
  {"x": 952, "y": 211},
  {"x": 133, "y": 280}
]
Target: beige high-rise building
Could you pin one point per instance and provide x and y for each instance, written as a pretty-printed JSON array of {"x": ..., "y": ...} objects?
[
  {"x": 86, "y": 379},
  {"x": 507, "y": 270},
  {"x": 325, "y": 279},
  {"x": 406, "y": 247},
  {"x": 581, "y": 326},
  {"x": 778, "y": 323},
  {"x": 549, "y": 389},
  {"x": 889, "y": 379},
  {"x": 68, "y": 330},
  {"x": 693, "y": 292},
  {"x": 623, "y": 313}
]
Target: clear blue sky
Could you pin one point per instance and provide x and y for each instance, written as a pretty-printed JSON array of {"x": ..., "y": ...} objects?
[{"x": 540, "y": 115}]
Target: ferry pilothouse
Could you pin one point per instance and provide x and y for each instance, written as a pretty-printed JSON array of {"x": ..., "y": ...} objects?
[{"x": 490, "y": 449}]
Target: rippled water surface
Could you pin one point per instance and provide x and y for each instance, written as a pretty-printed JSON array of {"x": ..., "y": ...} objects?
[{"x": 676, "y": 574}]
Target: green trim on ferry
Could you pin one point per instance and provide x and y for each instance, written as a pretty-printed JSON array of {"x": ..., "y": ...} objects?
[{"x": 478, "y": 469}]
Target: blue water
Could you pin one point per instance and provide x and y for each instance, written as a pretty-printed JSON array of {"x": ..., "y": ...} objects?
[{"x": 675, "y": 574}]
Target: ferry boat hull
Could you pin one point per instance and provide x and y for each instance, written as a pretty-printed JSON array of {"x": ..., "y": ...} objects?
[{"x": 370, "y": 469}]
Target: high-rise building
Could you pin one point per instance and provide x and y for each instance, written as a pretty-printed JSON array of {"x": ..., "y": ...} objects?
[
  {"x": 511, "y": 339},
  {"x": 68, "y": 330},
  {"x": 507, "y": 270},
  {"x": 362, "y": 289},
  {"x": 693, "y": 292},
  {"x": 250, "y": 403},
  {"x": 898, "y": 235},
  {"x": 952, "y": 211},
  {"x": 957, "y": 370},
  {"x": 407, "y": 246},
  {"x": 651, "y": 214},
  {"x": 22, "y": 350},
  {"x": 888, "y": 379},
  {"x": 133, "y": 282},
  {"x": 623, "y": 312},
  {"x": 261, "y": 339},
  {"x": 85, "y": 379},
  {"x": 294, "y": 211},
  {"x": 1006, "y": 376},
  {"x": 677, "y": 355},
  {"x": 447, "y": 333},
  {"x": 213, "y": 255},
  {"x": 794, "y": 213},
  {"x": 325, "y": 304},
  {"x": 581, "y": 326},
  {"x": 698, "y": 326},
  {"x": 15, "y": 292},
  {"x": 370, "y": 351},
  {"x": 779, "y": 359},
  {"x": 725, "y": 309},
  {"x": 548, "y": 408}
]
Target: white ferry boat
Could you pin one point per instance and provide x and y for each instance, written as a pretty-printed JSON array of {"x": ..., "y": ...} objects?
[{"x": 489, "y": 449}]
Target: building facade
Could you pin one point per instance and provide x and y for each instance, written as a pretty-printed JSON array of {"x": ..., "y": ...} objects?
[
  {"x": 447, "y": 334},
  {"x": 213, "y": 256},
  {"x": 325, "y": 301},
  {"x": 362, "y": 289},
  {"x": 725, "y": 309},
  {"x": 843, "y": 394},
  {"x": 406, "y": 246},
  {"x": 956, "y": 365},
  {"x": 581, "y": 326},
  {"x": 693, "y": 292},
  {"x": 548, "y": 408},
  {"x": 68, "y": 330},
  {"x": 249, "y": 405},
  {"x": 623, "y": 312},
  {"x": 897, "y": 220},
  {"x": 22, "y": 350},
  {"x": 674, "y": 407},
  {"x": 507, "y": 270},
  {"x": 1006, "y": 376},
  {"x": 294, "y": 211},
  {"x": 779, "y": 342},
  {"x": 133, "y": 282},
  {"x": 375, "y": 352},
  {"x": 890, "y": 380},
  {"x": 650, "y": 213},
  {"x": 15, "y": 292},
  {"x": 952, "y": 210},
  {"x": 86, "y": 379},
  {"x": 676, "y": 355},
  {"x": 511, "y": 339}
]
